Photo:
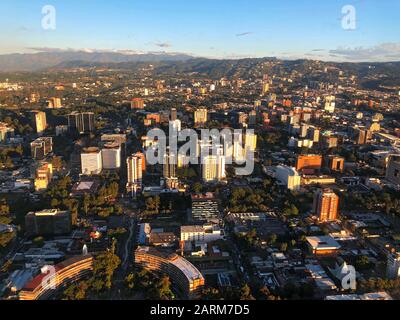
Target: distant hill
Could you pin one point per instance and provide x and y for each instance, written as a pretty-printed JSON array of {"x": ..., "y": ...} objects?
[{"x": 45, "y": 60}]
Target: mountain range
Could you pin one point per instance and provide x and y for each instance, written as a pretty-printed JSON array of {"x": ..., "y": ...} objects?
[{"x": 44, "y": 60}]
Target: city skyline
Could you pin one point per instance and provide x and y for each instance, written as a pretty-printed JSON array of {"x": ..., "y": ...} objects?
[{"x": 210, "y": 30}]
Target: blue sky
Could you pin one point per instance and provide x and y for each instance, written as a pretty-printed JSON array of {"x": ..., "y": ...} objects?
[{"x": 218, "y": 28}]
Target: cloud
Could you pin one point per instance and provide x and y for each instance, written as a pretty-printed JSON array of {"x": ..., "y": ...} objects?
[
  {"x": 163, "y": 44},
  {"x": 244, "y": 34},
  {"x": 378, "y": 53}
]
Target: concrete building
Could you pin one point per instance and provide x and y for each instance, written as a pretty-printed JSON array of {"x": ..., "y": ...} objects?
[
  {"x": 200, "y": 117},
  {"x": 41, "y": 147},
  {"x": 48, "y": 222},
  {"x": 91, "y": 161},
  {"x": 111, "y": 156},
  {"x": 184, "y": 276},
  {"x": 288, "y": 177},
  {"x": 326, "y": 205},
  {"x": 205, "y": 207},
  {"x": 39, "y": 121},
  {"x": 202, "y": 234},
  {"x": 81, "y": 122}
]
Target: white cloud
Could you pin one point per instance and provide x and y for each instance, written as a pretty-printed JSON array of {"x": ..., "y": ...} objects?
[{"x": 378, "y": 53}]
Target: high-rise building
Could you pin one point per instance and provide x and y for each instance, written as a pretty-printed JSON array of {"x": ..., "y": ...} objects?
[
  {"x": 81, "y": 122},
  {"x": 309, "y": 162},
  {"x": 91, "y": 161},
  {"x": 362, "y": 136},
  {"x": 48, "y": 222},
  {"x": 326, "y": 205},
  {"x": 393, "y": 170},
  {"x": 213, "y": 168},
  {"x": 330, "y": 104},
  {"x": 39, "y": 121},
  {"x": 250, "y": 142},
  {"x": 169, "y": 165},
  {"x": 111, "y": 156},
  {"x": 137, "y": 103},
  {"x": 135, "y": 164},
  {"x": 41, "y": 147},
  {"x": 200, "y": 117}
]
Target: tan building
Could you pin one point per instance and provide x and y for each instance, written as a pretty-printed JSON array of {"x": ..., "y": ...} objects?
[
  {"x": 336, "y": 163},
  {"x": 309, "y": 161},
  {"x": 185, "y": 276},
  {"x": 39, "y": 121},
  {"x": 326, "y": 205},
  {"x": 200, "y": 117},
  {"x": 43, "y": 177}
]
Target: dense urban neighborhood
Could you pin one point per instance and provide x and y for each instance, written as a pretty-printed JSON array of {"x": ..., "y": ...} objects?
[{"x": 85, "y": 214}]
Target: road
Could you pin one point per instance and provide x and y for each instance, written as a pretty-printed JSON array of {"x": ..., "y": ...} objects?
[{"x": 129, "y": 244}]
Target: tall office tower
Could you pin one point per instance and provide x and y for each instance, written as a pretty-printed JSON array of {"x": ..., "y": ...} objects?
[
  {"x": 265, "y": 87},
  {"x": 169, "y": 166},
  {"x": 137, "y": 103},
  {"x": 393, "y": 170},
  {"x": 81, "y": 122},
  {"x": 314, "y": 134},
  {"x": 363, "y": 136},
  {"x": 39, "y": 121},
  {"x": 135, "y": 166},
  {"x": 250, "y": 142},
  {"x": 174, "y": 114},
  {"x": 91, "y": 161},
  {"x": 309, "y": 162},
  {"x": 330, "y": 104},
  {"x": 41, "y": 147},
  {"x": 111, "y": 156},
  {"x": 175, "y": 126},
  {"x": 326, "y": 205},
  {"x": 213, "y": 166},
  {"x": 54, "y": 103},
  {"x": 200, "y": 117},
  {"x": 393, "y": 266},
  {"x": 253, "y": 118}
]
